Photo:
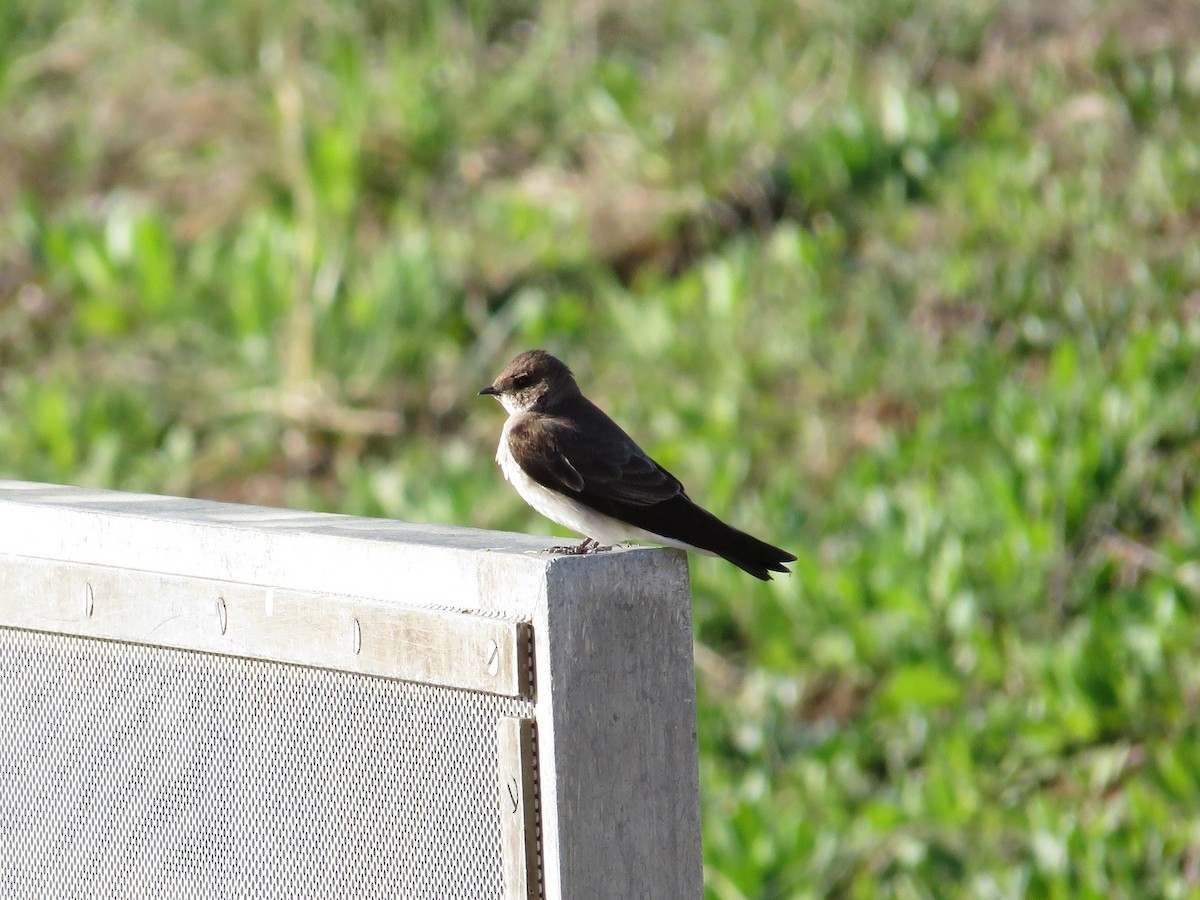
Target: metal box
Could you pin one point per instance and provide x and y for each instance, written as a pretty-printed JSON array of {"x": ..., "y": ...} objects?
[{"x": 204, "y": 700}]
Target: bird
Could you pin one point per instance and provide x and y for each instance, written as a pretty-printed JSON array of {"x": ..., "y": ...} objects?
[{"x": 577, "y": 467}]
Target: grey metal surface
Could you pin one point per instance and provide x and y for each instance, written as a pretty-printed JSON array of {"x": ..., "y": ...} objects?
[
  {"x": 378, "y": 559},
  {"x": 616, "y": 731},
  {"x": 432, "y": 646},
  {"x": 520, "y": 822},
  {"x": 133, "y": 771},
  {"x": 129, "y": 770}
]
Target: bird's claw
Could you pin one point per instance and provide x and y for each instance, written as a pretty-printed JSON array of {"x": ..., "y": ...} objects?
[{"x": 588, "y": 546}]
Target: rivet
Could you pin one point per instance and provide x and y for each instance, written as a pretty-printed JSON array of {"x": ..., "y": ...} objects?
[
  {"x": 356, "y": 637},
  {"x": 222, "y": 614},
  {"x": 493, "y": 657},
  {"x": 89, "y": 599}
]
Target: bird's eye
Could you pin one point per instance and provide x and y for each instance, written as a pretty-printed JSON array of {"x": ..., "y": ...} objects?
[{"x": 522, "y": 381}]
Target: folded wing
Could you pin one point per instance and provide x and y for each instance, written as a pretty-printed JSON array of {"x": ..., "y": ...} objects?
[{"x": 586, "y": 455}]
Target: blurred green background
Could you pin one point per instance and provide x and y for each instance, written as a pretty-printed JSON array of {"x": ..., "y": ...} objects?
[{"x": 909, "y": 288}]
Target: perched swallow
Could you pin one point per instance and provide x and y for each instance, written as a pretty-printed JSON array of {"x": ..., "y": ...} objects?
[{"x": 575, "y": 466}]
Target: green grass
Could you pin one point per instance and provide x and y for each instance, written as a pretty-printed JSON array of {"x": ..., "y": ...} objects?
[{"x": 910, "y": 288}]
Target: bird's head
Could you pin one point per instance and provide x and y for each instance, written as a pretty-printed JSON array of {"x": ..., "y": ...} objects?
[{"x": 532, "y": 382}]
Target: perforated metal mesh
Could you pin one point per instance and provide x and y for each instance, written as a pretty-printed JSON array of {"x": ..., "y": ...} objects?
[{"x": 130, "y": 771}]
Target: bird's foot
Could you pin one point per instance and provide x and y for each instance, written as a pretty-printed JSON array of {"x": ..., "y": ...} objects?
[{"x": 588, "y": 546}]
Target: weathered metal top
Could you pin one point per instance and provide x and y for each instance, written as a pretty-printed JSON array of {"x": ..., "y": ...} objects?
[
  {"x": 380, "y": 559},
  {"x": 426, "y": 603}
]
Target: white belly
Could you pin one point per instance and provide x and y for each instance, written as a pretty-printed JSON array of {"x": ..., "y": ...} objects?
[{"x": 560, "y": 508}]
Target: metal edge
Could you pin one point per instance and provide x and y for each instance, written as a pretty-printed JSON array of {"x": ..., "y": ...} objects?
[
  {"x": 520, "y": 820},
  {"x": 431, "y": 646}
]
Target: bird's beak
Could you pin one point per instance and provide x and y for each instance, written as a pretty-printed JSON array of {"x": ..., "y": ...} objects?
[{"x": 489, "y": 391}]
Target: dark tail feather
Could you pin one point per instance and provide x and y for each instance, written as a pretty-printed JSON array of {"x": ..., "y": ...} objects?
[
  {"x": 757, "y": 557},
  {"x": 706, "y": 531},
  {"x": 682, "y": 520}
]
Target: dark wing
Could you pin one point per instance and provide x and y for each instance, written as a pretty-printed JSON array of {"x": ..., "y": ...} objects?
[{"x": 586, "y": 455}]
